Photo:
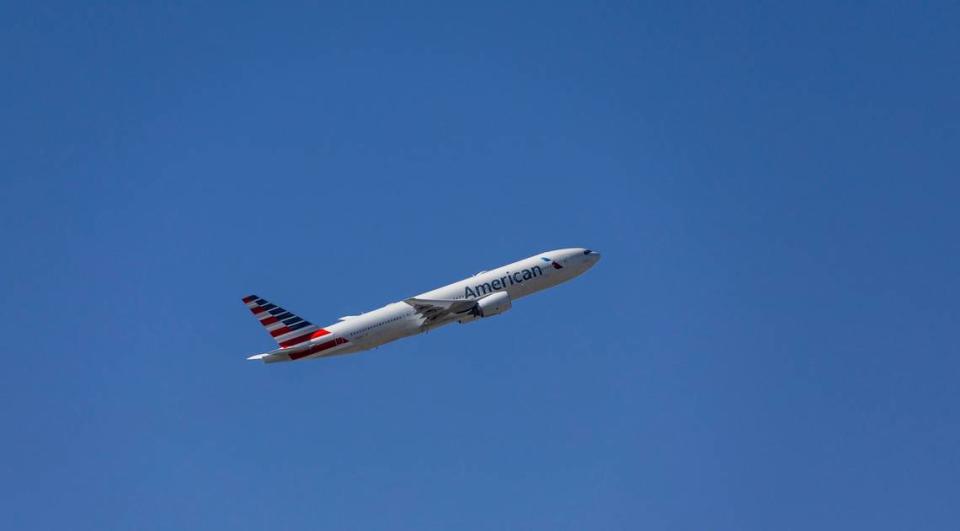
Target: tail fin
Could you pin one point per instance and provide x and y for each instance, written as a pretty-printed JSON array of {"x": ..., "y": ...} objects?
[{"x": 288, "y": 329}]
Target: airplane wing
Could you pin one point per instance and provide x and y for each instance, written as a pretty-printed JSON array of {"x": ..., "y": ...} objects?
[{"x": 434, "y": 310}]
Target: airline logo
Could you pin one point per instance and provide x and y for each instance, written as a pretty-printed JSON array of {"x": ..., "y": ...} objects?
[
  {"x": 510, "y": 279},
  {"x": 288, "y": 329},
  {"x": 555, "y": 265}
]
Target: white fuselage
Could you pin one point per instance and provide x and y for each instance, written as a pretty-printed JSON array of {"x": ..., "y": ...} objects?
[{"x": 399, "y": 319}]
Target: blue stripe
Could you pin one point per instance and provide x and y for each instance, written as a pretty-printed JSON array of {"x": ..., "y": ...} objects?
[
  {"x": 298, "y": 326},
  {"x": 292, "y": 320}
]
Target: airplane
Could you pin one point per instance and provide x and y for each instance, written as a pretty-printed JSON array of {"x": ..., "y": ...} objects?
[{"x": 483, "y": 295}]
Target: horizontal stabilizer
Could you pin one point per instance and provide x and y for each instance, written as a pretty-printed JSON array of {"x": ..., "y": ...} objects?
[
  {"x": 272, "y": 357},
  {"x": 281, "y": 354}
]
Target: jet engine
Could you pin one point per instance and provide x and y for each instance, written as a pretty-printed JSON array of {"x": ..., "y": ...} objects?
[{"x": 493, "y": 304}]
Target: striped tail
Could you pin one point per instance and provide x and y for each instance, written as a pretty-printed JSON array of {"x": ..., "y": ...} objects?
[{"x": 288, "y": 329}]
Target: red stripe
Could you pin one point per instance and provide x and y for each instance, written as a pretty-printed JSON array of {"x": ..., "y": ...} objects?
[
  {"x": 312, "y": 350},
  {"x": 250, "y": 298},
  {"x": 295, "y": 341},
  {"x": 280, "y": 331},
  {"x": 257, "y": 310},
  {"x": 318, "y": 348},
  {"x": 300, "y": 339},
  {"x": 269, "y": 321}
]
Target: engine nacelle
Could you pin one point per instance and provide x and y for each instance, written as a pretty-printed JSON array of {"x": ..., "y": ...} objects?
[{"x": 493, "y": 304}]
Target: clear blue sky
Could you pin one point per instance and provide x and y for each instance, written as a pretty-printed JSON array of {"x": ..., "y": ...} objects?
[{"x": 770, "y": 341}]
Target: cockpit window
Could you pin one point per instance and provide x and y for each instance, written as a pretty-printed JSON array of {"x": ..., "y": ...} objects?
[{"x": 588, "y": 251}]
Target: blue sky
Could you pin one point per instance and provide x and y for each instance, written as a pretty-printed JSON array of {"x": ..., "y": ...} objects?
[{"x": 770, "y": 341}]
